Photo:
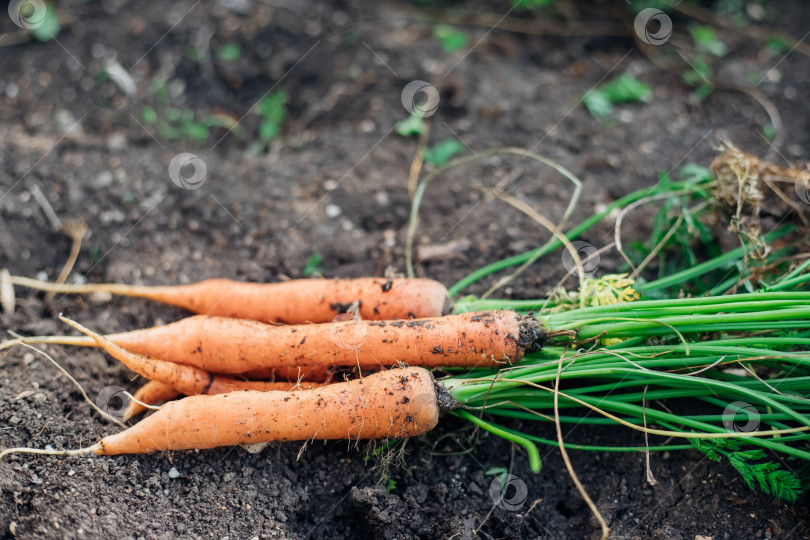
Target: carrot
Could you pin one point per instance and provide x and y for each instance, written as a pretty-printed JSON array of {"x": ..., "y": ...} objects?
[
  {"x": 224, "y": 345},
  {"x": 187, "y": 380},
  {"x": 308, "y": 373},
  {"x": 391, "y": 404},
  {"x": 151, "y": 393},
  {"x": 298, "y": 373},
  {"x": 290, "y": 302}
]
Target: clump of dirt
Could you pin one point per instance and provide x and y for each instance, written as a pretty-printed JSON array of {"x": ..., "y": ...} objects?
[{"x": 751, "y": 187}]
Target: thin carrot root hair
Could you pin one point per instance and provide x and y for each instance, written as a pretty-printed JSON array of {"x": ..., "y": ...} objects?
[
  {"x": 94, "y": 449},
  {"x": 52, "y": 452},
  {"x": 185, "y": 379},
  {"x": 305, "y": 373},
  {"x": 147, "y": 397},
  {"x": 74, "y": 381}
]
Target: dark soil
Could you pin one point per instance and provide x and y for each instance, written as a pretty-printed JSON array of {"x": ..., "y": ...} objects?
[{"x": 336, "y": 184}]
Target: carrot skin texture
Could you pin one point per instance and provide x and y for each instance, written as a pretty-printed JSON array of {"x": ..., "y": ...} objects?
[
  {"x": 305, "y": 373},
  {"x": 225, "y": 345},
  {"x": 307, "y": 300},
  {"x": 223, "y": 385},
  {"x": 155, "y": 392},
  {"x": 188, "y": 380},
  {"x": 391, "y": 404}
]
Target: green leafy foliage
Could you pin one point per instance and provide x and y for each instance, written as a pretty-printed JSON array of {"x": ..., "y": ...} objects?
[
  {"x": 193, "y": 53},
  {"x": 624, "y": 89},
  {"x": 229, "y": 52},
  {"x": 700, "y": 75},
  {"x": 777, "y": 45},
  {"x": 766, "y": 475},
  {"x": 531, "y": 5},
  {"x": 49, "y": 29},
  {"x": 149, "y": 115},
  {"x": 676, "y": 227},
  {"x": 413, "y": 125},
  {"x": 390, "y": 485},
  {"x": 160, "y": 91},
  {"x": 223, "y": 121},
  {"x": 442, "y": 152},
  {"x": 451, "y": 39},
  {"x": 272, "y": 109},
  {"x": 184, "y": 124},
  {"x": 313, "y": 265},
  {"x": 753, "y": 467},
  {"x": 707, "y": 446},
  {"x": 179, "y": 124},
  {"x": 500, "y": 474},
  {"x": 694, "y": 175},
  {"x": 706, "y": 40},
  {"x": 174, "y": 123}
]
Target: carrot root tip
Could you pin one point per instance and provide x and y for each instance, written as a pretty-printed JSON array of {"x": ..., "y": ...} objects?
[{"x": 94, "y": 449}]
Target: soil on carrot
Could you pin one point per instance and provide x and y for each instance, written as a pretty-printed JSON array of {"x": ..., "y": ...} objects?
[{"x": 330, "y": 196}]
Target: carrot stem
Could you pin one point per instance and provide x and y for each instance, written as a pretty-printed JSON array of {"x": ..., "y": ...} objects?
[{"x": 531, "y": 449}]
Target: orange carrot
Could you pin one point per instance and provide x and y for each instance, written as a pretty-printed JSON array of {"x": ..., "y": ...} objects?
[
  {"x": 308, "y": 373},
  {"x": 151, "y": 393},
  {"x": 391, "y": 404},
  {"x": 224, "y": 345},
  {"x": 154, "y": 392},
  {"x": 290, "y": 302},
  {"x": 185, "y": 379},
  {"x": 298, "y": 373}
]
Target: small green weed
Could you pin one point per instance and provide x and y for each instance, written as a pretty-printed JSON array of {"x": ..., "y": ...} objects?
[
  {"x": 624, "y": 89},
  {"x": 451, "y": 39},
  {"x": 413, "y": 125},
  {"x": 442, "y": 152}
]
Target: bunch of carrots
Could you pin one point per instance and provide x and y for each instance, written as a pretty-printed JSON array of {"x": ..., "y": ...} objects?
[
  {"x": 393, "y": 322},
  {"x": 498, "y": 360}
]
